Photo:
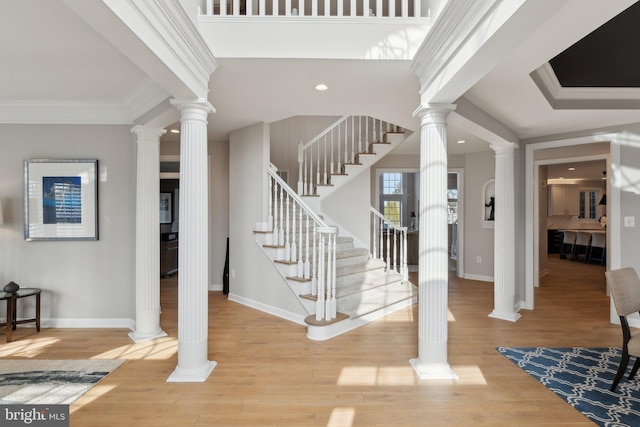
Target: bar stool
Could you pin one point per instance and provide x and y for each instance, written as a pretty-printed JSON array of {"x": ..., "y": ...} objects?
[
  {"x": 598, "y": 241},
  {"x": 581, "y": 247},
  {"x": 568, "y": 238}
]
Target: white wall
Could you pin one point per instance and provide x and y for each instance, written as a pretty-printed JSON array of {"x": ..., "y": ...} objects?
[
  {"x": 81, "y": 280},
  {"x": 218, "y": 212},
  {"x": 349, "y": 206},
  {"x": 253, "y": 279},
  {"x": 285, "y": 136}
]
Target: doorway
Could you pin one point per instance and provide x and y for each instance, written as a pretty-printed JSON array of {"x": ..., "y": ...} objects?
[{"x": 553, "y": 152}]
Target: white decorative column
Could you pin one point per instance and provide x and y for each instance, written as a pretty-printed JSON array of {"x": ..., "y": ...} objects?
[
  {"x": 147, "y": 235},
  {"x": 504, "y": 238},
  {"x": 433, "y": 259},
  {"x": 193, "y": 257}
]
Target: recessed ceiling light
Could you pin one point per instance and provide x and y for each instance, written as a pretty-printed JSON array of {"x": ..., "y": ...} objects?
[
  {"x": 174, "y": 131},
  {"x": 321, "y": 87},
  {"x": 462, "y": 141},
  {"x": 572, "y": 169}
]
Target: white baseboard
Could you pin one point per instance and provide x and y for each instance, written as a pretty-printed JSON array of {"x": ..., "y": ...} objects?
[
  {"x": 479, "y": 277},
  {"x": 287, "y": 315},
  {"x": 215, "y": 287},
  {"x": 87, "y": 323}
]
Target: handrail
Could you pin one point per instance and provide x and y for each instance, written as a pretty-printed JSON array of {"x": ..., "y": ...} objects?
[
  {"x": 313, "y": 249},
  {"x": 342, "y": 143}
]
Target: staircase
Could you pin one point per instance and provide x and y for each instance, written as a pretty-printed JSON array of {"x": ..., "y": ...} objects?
[{"x": 340, "y": 284}]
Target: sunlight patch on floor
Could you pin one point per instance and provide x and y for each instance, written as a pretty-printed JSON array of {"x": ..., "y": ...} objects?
[
  {"x": 374, "y": 375},
  {"x": 158, "y": 349},
  {"x": 341, "y": 417},
  {"x": 469, "y": 375},
  {"x": 403, "y": 376},
  {"x": 27, "y": 347},
  {"x": 96, "y": 392}
]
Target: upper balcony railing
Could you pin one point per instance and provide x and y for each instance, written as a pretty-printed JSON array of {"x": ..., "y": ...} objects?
[{"x": 318, "y": 8}]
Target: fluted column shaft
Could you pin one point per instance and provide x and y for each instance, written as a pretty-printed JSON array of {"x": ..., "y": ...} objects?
[
  {"x": 147, "y": 236},
  {"x": 193, "y": 258},
  {"x": 504, "y": 238},
  {"x": 433, "y": 263}
]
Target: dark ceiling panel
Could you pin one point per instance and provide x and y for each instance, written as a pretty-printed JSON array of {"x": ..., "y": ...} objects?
[{"x": 607, "y": 57}]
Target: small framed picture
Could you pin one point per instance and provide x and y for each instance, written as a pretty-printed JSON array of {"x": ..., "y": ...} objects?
[
  {"x": 60, "y": 199},
  {"x": 165, "y": 208}
]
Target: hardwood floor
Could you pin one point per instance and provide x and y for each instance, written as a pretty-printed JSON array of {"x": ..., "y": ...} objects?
[{"x": 270, "y": 374}]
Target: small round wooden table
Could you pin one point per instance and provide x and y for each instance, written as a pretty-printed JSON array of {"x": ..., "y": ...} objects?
[{"x": 12, "y": 303}]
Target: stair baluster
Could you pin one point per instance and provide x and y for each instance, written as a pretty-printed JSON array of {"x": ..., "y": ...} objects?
[
  {"x": 276, "y": 230},
  {"x": 307, "y": 263},
  {"x": 293, "y": 250},
  {"x": 398, "y": 261},
  {"x": 287, "y": 244},
  {"x": 321, "y": 272}
]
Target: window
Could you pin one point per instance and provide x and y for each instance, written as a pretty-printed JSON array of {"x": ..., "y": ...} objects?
[
  {"x": 395, "y": 193},
  {"x": 588, "y": 202},
  {"x": 452, "y": 206}
]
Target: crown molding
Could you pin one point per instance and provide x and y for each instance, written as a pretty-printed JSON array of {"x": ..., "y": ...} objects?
[
  {"x": 165, "y": 27},
  {"x": 141, "y": 100},
  {"x": 64, "y": 112},
  {"x": 145, "y": 97},
  {"x": 583, "y": 98},
  {"x": 449, "y": 33}
]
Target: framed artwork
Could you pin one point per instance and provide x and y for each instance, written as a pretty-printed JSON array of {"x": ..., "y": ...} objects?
[
  {"x": 165, "y": 208},
  {"x": 60, "y": 199}
]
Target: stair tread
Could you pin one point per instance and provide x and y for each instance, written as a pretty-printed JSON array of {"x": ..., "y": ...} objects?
[
  {"x": 370, "y": 265},
  {"x": 351, "y": 252},
  {"x": 383, "y": 279},
  {"x": 357, "y": 305}
]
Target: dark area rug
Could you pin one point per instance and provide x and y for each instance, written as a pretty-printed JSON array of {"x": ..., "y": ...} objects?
[
  {"x": 27, "y": 381},
  {"x": 582, "y": 377}
]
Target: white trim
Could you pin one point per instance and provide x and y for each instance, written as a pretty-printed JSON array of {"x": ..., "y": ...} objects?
[
  {"x": 88, "y": 323},
  {"x": 478, "y": 277},
  {"x": 287, "y": 315},
  {"x": 583, "y": 97}
]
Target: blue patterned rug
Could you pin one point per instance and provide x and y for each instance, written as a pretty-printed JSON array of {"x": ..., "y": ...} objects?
[{"x": 582, "y": 377}]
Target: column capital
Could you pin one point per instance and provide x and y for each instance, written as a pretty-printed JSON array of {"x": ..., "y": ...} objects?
[
  {"x": 148, "y": 133},
  {"x": 434, "y": 113},
  {"x": 195, "y": 103},
  {"x": 504, "y": 147}
]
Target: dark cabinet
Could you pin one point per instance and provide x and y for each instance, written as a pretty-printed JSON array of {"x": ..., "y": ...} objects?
[
  {"x": 554, "y": 241},
  {"x": 168, "y": 257}
]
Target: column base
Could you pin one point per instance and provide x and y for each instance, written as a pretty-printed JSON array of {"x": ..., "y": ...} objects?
[
  {"x": 199, "y": 375},
  {"x": 433, "y": 371},
  {"x": 511, "y": 317},
  {"x": 141, "y": 337}
]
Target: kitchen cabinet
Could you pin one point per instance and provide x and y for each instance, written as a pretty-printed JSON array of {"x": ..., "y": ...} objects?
[{"x": 563, "y": 200}]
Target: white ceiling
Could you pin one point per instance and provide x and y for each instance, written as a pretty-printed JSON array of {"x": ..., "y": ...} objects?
[{"x": 50, "y": 54}]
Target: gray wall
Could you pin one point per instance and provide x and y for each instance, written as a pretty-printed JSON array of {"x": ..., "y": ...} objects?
[
  {"x": 84, "y": 282},
  {"x": 254, "y": 280}
]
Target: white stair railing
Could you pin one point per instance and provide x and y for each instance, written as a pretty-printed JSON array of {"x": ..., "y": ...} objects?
[
  {"x": 371, "y": 9},
  {"x": 389, "y": 243},
  {"x": 338, "y": 145},
  {"x": 314, "y": 253}
]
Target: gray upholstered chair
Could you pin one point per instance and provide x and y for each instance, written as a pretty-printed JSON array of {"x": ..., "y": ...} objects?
[
  {"x": 625, "y": 290},
  {"x": 568, "y": 239}
]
